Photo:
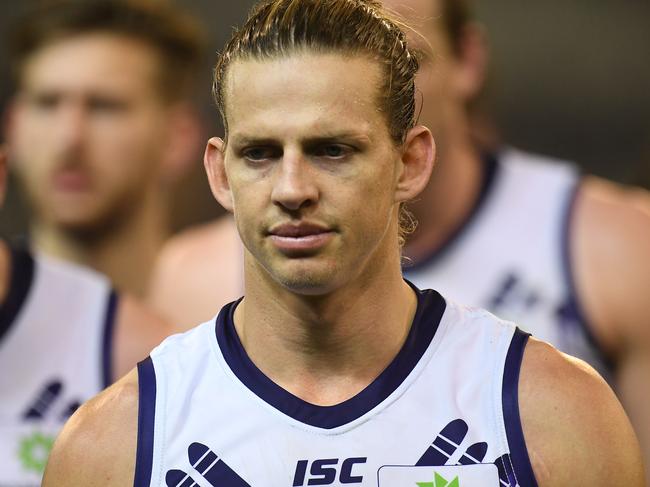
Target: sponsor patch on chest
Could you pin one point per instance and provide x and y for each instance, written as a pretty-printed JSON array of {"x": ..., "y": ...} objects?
[{"x": 482, "y": 475}]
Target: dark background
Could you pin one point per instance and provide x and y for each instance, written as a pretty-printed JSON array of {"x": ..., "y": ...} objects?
[{"x": 569, "y": 78}]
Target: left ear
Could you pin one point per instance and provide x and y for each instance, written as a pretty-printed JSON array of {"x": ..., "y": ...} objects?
[
  {"x": 185, "y": 135},
  {"x": 418, "y": 154}
]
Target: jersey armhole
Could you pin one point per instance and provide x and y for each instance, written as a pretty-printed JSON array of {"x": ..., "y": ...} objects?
[
  {"x": 574, "y": 306},
  {"x": 146, "y": 420},
  {"x": 523, "y": 469},
  {"x": 107, "y": 338}
]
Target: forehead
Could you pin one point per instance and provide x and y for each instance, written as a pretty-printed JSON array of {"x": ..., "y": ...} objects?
[
  {"x": 413, "y": 10},
  {"x": 96, "y": 61},
  {"x": 304, "y": 93},
  {"x": 424, "y": 16}
]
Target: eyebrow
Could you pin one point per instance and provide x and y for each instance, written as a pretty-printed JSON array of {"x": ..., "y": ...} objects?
[{"x": 245, "y": 140}]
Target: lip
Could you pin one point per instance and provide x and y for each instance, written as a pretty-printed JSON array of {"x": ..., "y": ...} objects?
[
  {"x": 300, "y": 238},
  {"x": 71, "y": 180}
]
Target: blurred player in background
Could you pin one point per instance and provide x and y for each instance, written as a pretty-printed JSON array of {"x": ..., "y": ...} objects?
[
  {"x": 101, "y": 126},
  {"x": 333, "y": 370},
  {"x": 64, "y": 336},
  {"x": 526, "y": 237}
]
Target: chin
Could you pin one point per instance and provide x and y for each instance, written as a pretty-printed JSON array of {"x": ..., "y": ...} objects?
[
  {"x": 309, "y": 280},
  {"x": 87, "y": 225}
]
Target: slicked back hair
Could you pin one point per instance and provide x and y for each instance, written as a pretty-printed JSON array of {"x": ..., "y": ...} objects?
[{"x": 280, "y": 28}]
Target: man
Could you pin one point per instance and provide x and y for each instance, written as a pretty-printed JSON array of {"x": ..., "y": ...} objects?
[
  {"x": 332, "y": 369},
  {"x": 100, "y": 128},
  {"x": 64, "y": 336},
  {"x": 566, "y": 257}
]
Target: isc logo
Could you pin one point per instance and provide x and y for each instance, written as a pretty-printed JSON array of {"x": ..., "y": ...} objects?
[{"x": 324, "y": 472}]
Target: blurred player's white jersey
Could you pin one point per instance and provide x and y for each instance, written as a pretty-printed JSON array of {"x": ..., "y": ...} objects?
[
  {"x": 444, "y": 411},
  {"x": 512, "y": 256},
  {"x": 55, "y": 330}
]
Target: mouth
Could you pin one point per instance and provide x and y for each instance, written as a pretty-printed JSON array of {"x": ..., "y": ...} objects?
[
  {"x": 300, "y": 238},
  {"x": 71, "y": 180}
]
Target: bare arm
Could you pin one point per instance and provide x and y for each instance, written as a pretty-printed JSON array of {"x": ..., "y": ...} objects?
[
  {"x": 612, "y": 262},
  {"x": 575, "y": 428},
  {"x": 198, "y": 272},
  {"x": 137, "y": 331},
  {"x": 97, "y": 446}
]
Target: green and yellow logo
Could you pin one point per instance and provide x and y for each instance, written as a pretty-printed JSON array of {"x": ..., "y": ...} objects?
[
  {"x": 34, "y": 450},
  {"x": 440, "y": 481}
]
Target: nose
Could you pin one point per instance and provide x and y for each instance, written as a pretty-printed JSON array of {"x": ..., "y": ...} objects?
[
  {"x": 294, "y": 185},
  {"x": 70, "y": 126}
]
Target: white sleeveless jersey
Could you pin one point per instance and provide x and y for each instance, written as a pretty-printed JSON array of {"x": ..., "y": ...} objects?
[
  {"x": 55, "y": 331},
  {"x": 444, "y": 412},
  {"x": 512, "y": 255}
]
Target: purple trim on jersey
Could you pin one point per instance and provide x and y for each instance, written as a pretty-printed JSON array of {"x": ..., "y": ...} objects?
[
  {"x": 430, "y": 309},
  {"x": 20, "y": 282},
  {"x": 523, "y": 469},
  {"x": 146, "y": 420},
  {"x": 107, "y": 342},
  {"x": 567, "y": 265},
  {"x": 490, "y": 170}
]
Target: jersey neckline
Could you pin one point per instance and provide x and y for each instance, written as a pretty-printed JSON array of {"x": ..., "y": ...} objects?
[
  {"x": 491, "y": 167},
  {"x": 430, "y": 309},
  {"x": 20, "y": 282}
]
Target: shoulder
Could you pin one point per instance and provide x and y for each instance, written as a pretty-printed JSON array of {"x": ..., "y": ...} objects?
[
  {"x": 574, "y": 426},
  {"x": 97, "y": 446},
  {"x": 612, "y": 256},
  {"x": 195, "y": 244},
  {"x": 197, "y": 272},
  {"x": 138, "y": 330}
]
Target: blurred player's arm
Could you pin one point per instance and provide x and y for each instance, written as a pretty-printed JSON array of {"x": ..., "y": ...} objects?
[
  {"x": 137, "y": 331},
  {"x": 197, "y": 272},
  {"x": 97, "y": 447},
  {"x": 612, "y": 256},
  {"x": 575, "y": 429}
]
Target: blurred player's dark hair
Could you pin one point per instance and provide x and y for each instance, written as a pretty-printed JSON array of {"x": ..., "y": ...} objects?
[
  {"x": 174, "y": 34},
  {"x": 456, "y": 14}
]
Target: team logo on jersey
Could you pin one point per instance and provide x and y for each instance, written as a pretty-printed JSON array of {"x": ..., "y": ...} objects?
[
  {"x": 209, "y": 466},
  {"x": 514, "y": 298},
  {"x": 447, "y": 445},
  {"x": 33, "y": 449}
]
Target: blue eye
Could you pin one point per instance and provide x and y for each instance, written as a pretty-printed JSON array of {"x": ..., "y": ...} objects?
[
  {"x": 257, "y": 154},
  {"x": 332, "y": 151}
]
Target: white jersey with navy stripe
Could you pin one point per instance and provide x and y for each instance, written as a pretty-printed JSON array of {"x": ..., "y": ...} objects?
[
  {"x": 512, "y": 255},
  {"x": 55, "y": 330},
  {"x": 446, "y": 407}
]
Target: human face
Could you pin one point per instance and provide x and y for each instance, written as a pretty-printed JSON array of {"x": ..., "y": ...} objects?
[
  {"x": 311, "y": 168},
  {"x": 436, "y": 79},
  {"x": 88, "y": 130}
]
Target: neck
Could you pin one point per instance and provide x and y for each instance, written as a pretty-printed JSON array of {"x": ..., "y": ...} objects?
[
  {"x": 326, "y": 349},
  {"x": 448, "y": 198},
  {"x": 126, "y": 254},
  {"x": 5, "y": 271}
]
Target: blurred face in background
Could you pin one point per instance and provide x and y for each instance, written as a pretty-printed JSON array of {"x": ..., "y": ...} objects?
[
  {"x": 89, "y": 129},
  {"x": 450, "y": 76}
]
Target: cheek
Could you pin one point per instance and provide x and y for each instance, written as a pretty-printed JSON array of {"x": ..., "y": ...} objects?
[
  {"x": 125, "y": 150},
  {"x": 369, "y": 204},
  {"x": 31, "y": 140}
]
